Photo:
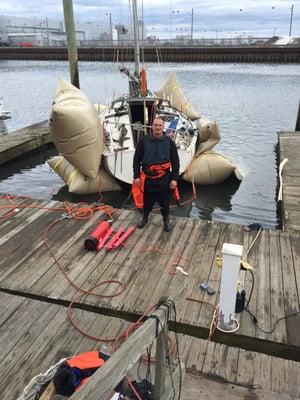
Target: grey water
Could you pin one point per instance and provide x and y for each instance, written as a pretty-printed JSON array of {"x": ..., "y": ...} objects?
[{"x": 251, "y": 103}]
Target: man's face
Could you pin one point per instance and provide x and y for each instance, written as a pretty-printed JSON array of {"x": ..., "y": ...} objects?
[{"x": 157, "y": 128}]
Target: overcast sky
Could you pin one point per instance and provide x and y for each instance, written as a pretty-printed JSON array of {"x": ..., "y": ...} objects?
[{"x": 170, "y": 17}]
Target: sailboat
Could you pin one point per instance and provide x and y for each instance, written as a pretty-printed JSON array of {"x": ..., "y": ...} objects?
[
  {"x": 87, "y": 136},
  {"x": 130, "y": 117}
]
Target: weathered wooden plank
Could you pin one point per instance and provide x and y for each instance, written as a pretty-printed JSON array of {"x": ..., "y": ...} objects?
[
  {"x": 276, "y": 289},
  {"x": 26, "y": 272},
  {"x": 63, "y": 344},
  {"x": 99, "y": 268},
  {"x": 160, "y": 279},
  {"x": 20, "y": 221},
  {"x": 204, "y": 258},
  {"x": 245, "y": 368},
  {"x": 198, "y": 387},
  {"x": 289, "y": 147},
  {"x": 140, "y": 266},
  {"x": 262, "y": 280},
  {"x": 208, "y": 361},
  {"x": 290, "y": 289},
  {"x": 74, "y": 258},
  {"x": 262, "y": 371},
  {"x": 8, "y": 306},
  {"x": 294, "y": 376},
  {"x": 229, "y": 364},
  {"x": 280, "y": 381},
  {"x": 196, "y": 354},
  {"x": 8, "y": 224}
]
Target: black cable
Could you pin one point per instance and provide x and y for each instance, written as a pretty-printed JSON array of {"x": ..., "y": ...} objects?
[
  {"x": 254, "y": 318},
  {"x": 171, "y": 302},
  {"x": 252, "y": 288}
]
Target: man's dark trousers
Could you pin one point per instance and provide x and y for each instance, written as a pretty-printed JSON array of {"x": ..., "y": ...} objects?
[{"x": 151, "y": 196}]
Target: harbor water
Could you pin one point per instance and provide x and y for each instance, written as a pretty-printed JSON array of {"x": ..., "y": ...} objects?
[{"x": 251, "y": 102}]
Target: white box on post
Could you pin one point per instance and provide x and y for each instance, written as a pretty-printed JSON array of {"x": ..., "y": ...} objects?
[{"x": 231, "y": 264}]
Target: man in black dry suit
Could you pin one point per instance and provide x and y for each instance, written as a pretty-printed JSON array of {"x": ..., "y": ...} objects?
[{"x": 157, "y": 155}]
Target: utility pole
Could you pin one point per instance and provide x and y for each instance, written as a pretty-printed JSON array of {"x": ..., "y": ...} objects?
[
  {"x": 47, "y": 27},
  {"x": 110, "y": 29},
  {"x": 71, "y": 39},
  {"x": 291, "y": 20},
  {"x": 192, "y": 26}
]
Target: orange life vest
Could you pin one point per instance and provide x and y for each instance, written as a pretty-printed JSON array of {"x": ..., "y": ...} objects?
[
  {"x": 75, "y": 371},
  {"x": 138, "y": 190}
]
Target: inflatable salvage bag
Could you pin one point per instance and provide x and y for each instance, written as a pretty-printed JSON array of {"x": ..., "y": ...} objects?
[
  {"x": 80, "y": 184},
  {"x": 76, "y": 129},
  {"x": 172, "y": 91},
  {"x": 210, "y": 168},
  {"x": 209, "y": 135}
]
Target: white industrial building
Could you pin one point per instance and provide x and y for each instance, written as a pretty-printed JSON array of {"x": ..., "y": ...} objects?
[{"x": 18, "y": 31}]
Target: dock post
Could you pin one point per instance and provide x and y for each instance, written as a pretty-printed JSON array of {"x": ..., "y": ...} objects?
[
  {"x": 71, "y": 39},
  {"x": 230, "y": 270},
  {"x": 297, "y": 128},
  {"x": 160, "y": 365}
]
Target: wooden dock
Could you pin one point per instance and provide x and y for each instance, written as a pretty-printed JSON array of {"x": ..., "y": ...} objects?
[
  {"x": 35, "y": 335},
  {"x": 289, "y": 148},
  {"x": 24, "y": 141},
  {"x": 146, "y": 266}
]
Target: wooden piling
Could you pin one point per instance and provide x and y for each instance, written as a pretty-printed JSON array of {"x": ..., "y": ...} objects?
[{"x": 71, "y": 39}]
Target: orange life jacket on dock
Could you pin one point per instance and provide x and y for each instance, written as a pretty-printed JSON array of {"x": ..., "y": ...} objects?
[{"x": 75, "y": 371}]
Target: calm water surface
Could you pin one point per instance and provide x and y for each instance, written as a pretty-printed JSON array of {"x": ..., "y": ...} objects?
[{"x": 251, "y": 102}]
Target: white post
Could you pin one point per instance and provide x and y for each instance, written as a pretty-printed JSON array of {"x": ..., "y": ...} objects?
[{"x": 230, "y": 270}]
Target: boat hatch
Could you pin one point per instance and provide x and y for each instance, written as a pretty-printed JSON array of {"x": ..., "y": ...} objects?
[{"x": 141, "y": 113}]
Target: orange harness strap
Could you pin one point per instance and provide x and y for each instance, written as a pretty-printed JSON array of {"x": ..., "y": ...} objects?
[{"x": 138, "y": 190}]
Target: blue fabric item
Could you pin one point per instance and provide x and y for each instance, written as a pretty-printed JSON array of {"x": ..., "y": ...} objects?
[{"x": 173, "y": 125}]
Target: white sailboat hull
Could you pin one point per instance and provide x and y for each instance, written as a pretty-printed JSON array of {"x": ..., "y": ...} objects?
[{"x": 120, "y": 164}]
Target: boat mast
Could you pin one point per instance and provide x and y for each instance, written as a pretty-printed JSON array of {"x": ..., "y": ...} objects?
[{"x": 136, "y": 38}]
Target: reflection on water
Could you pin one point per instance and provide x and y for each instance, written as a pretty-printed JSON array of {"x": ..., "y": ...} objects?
[{"x": 210, "y": 198}]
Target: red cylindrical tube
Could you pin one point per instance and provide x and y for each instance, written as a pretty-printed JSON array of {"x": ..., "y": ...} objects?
[{"x": 91, "y": 243}]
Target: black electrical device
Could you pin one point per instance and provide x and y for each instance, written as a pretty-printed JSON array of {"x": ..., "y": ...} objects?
[{"x": 240, "y": 301}]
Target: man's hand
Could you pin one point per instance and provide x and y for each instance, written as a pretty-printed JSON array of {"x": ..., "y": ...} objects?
[
  {"x": 173, "y": 185},
  {"x": 137, "y": 181}
]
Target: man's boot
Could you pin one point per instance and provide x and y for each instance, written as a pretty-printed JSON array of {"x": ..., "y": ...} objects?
[
  {"x": 167, "y": 226},
  {"x": 142, "y": 223}
]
